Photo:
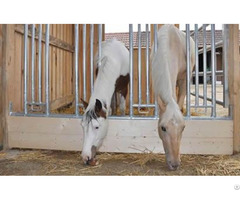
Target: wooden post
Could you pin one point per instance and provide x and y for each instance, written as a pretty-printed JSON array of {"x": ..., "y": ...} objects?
[
  {"x": 1, "y": 88},
  {"x": 234, "y": 83},
  {"x": 7, "y": 77}
]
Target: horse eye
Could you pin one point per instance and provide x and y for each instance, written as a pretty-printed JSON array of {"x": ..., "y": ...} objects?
[
  {"x": 96, "y": 127},
  {"x": 163, "y": 128}
]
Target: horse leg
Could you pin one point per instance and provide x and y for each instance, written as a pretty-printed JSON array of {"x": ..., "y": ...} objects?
[
  {"x": 123, "y": 95},
  {"x": 114, "y": 104},
  {"x": 181, "y": 93},
  {"x": 122, "y": 104}
]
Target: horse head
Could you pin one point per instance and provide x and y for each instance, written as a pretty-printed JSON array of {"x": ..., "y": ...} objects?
[
  {"x": 170, "y": 127},
  {"x": 95, "y": 125}
]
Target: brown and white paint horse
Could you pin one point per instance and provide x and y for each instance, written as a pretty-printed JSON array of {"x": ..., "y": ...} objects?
[
  {"x": 112, "y": 76},
  {"x": 169, "y": 72}
]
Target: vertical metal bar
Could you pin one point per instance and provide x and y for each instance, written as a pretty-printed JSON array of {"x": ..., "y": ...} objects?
[
  {"x": 139, "y": 67},
  {"x": 84, "y": 62},
  {"x": 204, "y": 68},
  {"x": 99, "y": 44},
  {"x": 147, "y": 64},
  {"x": 47, "y": 69},
  {"x": 39, "y": 64},
  {"x": 213, "y": 61},
  {"x": 91, "y": 55},
  {"x": 33, "y": 62},
  {"x": 25, "y": 67},
  {"x": 225, "y": 65},
  {"x": 76, "y": 69},
  {"x": 188, "y": 100},
  {"x": 155, "y": 50},
  {"x": 196, "y": 67},
  {"x": 131, "y": 69}
]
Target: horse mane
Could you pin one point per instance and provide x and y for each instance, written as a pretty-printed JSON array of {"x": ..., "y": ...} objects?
[
  {"x": 162, "y": 82},
  {"x": 161, "y": 75},
  {"x": 90, "y": 115},
  {"x": 108, "y": 72}
]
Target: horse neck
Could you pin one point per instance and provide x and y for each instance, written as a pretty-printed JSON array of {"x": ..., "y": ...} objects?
[
  {"x": 163, "y": 78},
  {"x": 104, "y": 86}
]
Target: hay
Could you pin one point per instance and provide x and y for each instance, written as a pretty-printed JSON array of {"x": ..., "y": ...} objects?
[{"x": 37, "y": 162}]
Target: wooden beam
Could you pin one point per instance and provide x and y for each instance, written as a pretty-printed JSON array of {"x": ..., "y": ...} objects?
[
  {"x": 52, "y": 40},
  {"x": 7, "y": 76},
  {"x": 234, "y": 83},
  {"x": 58, "y": 103},
  {"x": 2, "y": 90},
  {"x": 128, "y": 136}
]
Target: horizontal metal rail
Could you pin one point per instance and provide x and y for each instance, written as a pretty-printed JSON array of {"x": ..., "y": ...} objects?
[
  {"x": 209, "y": 99},
  {"x": 36, "y": 103},
  {"x": 114, "y": 117},
  {"x": 144, "y": 105},
  {"x": 218, "y": 73}
]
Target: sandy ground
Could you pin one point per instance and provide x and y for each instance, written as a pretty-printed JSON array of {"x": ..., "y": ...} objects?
[
  {"x": 220, "y": 110},
  {"x": 44, "y": 162}
]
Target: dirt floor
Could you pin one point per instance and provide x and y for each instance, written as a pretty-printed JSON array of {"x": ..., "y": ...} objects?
[{"x": 47, "y": 162}]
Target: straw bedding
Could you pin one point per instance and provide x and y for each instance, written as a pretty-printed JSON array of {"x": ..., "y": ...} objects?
[{"x": 47, "y": 162}]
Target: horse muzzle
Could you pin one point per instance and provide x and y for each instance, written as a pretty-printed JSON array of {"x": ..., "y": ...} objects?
[{"x": 173, "y": 165}]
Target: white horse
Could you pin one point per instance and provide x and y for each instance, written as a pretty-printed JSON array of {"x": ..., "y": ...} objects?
[
  {"x": 112, "y": 76},
  {"x": 168, "y": 72}
]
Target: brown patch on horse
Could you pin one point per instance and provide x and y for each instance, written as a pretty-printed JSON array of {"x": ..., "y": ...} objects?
[
  {"x": 102, "y": 113},
  {"x": 121, "y": 85},
  {"x": 98, "y": 109}
]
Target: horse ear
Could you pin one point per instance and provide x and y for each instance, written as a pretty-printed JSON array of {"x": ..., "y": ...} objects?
[
  {"x": 98, "y": 106},
  {"x": 161, "y": 105},
  {"x": 85, "y": 104}
]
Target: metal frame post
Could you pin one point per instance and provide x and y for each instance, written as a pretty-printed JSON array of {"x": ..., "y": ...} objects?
[
  {"x": 76, "y": 69},
  {"x": 47, "y": 69},
  {"x": 188, "y": 99},
  {"x": 131, "y": 70},
  {"x": 25, "y": 67}
]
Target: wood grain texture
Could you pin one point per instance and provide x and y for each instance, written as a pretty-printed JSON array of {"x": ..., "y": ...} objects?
[
  {"x": 234, "y": 83},
  {"x": 128, "y": 136},
  {"x": 2, "y": 89},
  {"x": 60, "y": 64}
]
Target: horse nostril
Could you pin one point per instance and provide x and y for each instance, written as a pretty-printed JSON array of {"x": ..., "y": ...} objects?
[
  {"x": 87, "y": 160},
  {"x": 175, "y": 167}
]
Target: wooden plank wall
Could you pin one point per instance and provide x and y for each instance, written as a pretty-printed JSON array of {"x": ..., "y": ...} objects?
[
  {"x": 126, "y": 136},
  {"x": 234, "y": 82},
  {"x": 60, "y": 64},
  {"x": 80, "y": 60},
  {"x": 143, "y": 76}
]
